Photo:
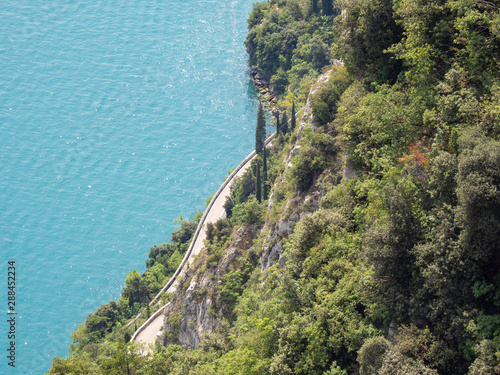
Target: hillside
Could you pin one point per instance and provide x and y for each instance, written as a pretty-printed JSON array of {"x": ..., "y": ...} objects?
[{"x": 369, "y": 243}]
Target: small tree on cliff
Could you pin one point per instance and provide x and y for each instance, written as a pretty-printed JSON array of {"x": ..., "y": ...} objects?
[
  {"x": 327, "y": 6},
  {"x": 258, "y": 183},
  {"x": 278, "y": 128},
  {"x": 284, "y": 123},
  {"x": 314, "y": 7},
  {"x": 260, "y": 130},
  {"x": 292, "y": 118},
  {"x": 265, "y": 187}
]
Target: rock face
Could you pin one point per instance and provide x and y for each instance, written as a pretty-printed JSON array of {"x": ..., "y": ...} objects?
[
  {"x": 296, "y": 207},
  {"x": 196, "y": 308},
  {"x": 264, "y": 88}
]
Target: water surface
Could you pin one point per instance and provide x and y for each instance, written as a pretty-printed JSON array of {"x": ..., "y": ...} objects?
[{"x": 115, "y": 117}]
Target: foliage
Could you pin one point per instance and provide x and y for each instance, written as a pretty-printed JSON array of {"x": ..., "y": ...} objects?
[
  {"x": 312, "y": 158},
  {"x": 260, "y": 130},
  {"x": 258, "y": 182},
  {"x": 77, "y": 365},
  {"x": 365, "y": 31},
  {"x": 219, "y": 231},
  {"x": 265, "y": 181},
  {"x": 325, "y": 99},
  {"x": 371, "y": 355},
  {"x": 251, "y": 212},
  {"x": 392, "y": 271},
  {"x": 290, "y": 40}
]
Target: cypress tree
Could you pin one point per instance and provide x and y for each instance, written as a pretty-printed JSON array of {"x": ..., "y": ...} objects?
[
  {"x": 258, "y": 183},
  {"x": 260, "y": 130},
  {"x": 284, "y": 123},
  {"x": 278, "y": 130},
  {"x": 265, "y": 187},
  {"x": 127, "y": 337},
  {"x": 314, "y": 7},
  {"x": 327, "y": 7},
  {"x": 292, "y": 119}
]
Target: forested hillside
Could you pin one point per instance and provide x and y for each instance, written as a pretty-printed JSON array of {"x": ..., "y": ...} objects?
[{"x": 366, "y": 237}]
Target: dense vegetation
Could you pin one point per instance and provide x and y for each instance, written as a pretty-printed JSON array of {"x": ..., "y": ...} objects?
[
  {"x": 290, "y": 42},
  {"x": 395, "y": 271}
]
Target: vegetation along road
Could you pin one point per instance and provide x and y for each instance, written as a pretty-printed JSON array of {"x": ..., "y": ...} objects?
[{"x": 147, "y": 333}]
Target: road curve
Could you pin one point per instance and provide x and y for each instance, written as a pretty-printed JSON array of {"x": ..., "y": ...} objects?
[{"x": 148, "y": 332}]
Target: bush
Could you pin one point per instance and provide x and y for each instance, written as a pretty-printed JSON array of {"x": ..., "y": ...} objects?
[
  {"x": 325, "y": 99},
  {"x": 371, "y": 355},
  {"x": 219, "y": 231},
  {"x": 250, "y": 213}
]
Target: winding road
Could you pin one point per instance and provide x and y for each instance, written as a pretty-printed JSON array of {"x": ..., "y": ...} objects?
[{"x": 149, "y": 331}]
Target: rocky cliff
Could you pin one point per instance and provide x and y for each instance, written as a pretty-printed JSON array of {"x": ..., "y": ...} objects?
[{"x": 198, "y": 307}]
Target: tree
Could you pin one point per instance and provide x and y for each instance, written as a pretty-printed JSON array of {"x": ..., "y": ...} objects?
[
  {"x": 388, "y": 248},
  {"x": 265, "y": 186},
  {"x": 284, "y": 123},
  {"x": 258, "y": 183},
  {"x": 278, "y": 127},
  {"x": 487, "y": 362},
  {"x": 371, "y": 354},
  {"x": 314, "y": 7},
  {"x": 427, "y": 45},
  {"x": 327, "y": 7},
  {"x": 77, "y": 365},
  {"x": 279, "y": 81},
  {"x": 366, "y": 29},
  {"x": 292, "y": 118},
  {"x": 135, "y": 289},
  {"x": 129, "y": 358},
  {"x": 260, "y": 130},
  {"x": 478, "y": 179},
  {"x": 319, "y": 53}
]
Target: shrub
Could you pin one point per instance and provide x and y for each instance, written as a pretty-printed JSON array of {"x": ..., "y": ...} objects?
[
  {"x": 251, "y": 212},
  {"x": 371, "y": 355}
]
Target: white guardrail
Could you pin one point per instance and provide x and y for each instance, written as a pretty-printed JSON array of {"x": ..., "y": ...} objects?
[{"x": 189, "y": 251}]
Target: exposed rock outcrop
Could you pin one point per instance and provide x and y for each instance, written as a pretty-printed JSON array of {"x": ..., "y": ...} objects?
[
  {"x": 197, "y": 307},
  {"x": 297, "y": 206}
]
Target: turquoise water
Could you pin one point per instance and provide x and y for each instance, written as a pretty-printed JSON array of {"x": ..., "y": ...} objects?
[{"x": 115, "y": 117}]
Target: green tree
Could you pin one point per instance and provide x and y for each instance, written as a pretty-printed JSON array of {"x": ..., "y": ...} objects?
[
  {"x": 427, "y": 43},
  {"x": 74, "y": 365},
  {"x": 265, "y": 184},
  {"x": 278, "y": 125},
  {"x": 128, "y": 359},
  {"x": 319, "y": 53},
  {"x": 389, "y": 249},
  {"x": 488, "y": 361},
  {"x": 326, "y": 98},
  {"x": 292, "y": 118},
  {"x": 478, "y": 182},
  {"x": 135, "y": 289},
  {"x": 365, "y": 31},
  {"x": 279, "y": 81},
  {"x": 314, "y": 7},
  {"x": 258, "y": 182},
  {"x": 260, "y": 130},
  {"x": 371, "y": 355},
  {"x": 284, "y": 123},
  {"x": 250, "y": 212},
  {"x": 327, "y": 7}
]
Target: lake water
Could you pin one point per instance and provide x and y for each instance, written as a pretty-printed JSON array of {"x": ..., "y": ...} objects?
[{"x": 115, "y": 117}]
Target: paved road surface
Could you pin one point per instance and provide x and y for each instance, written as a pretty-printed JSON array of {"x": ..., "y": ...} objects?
[{"x": 150, "y": 329}]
